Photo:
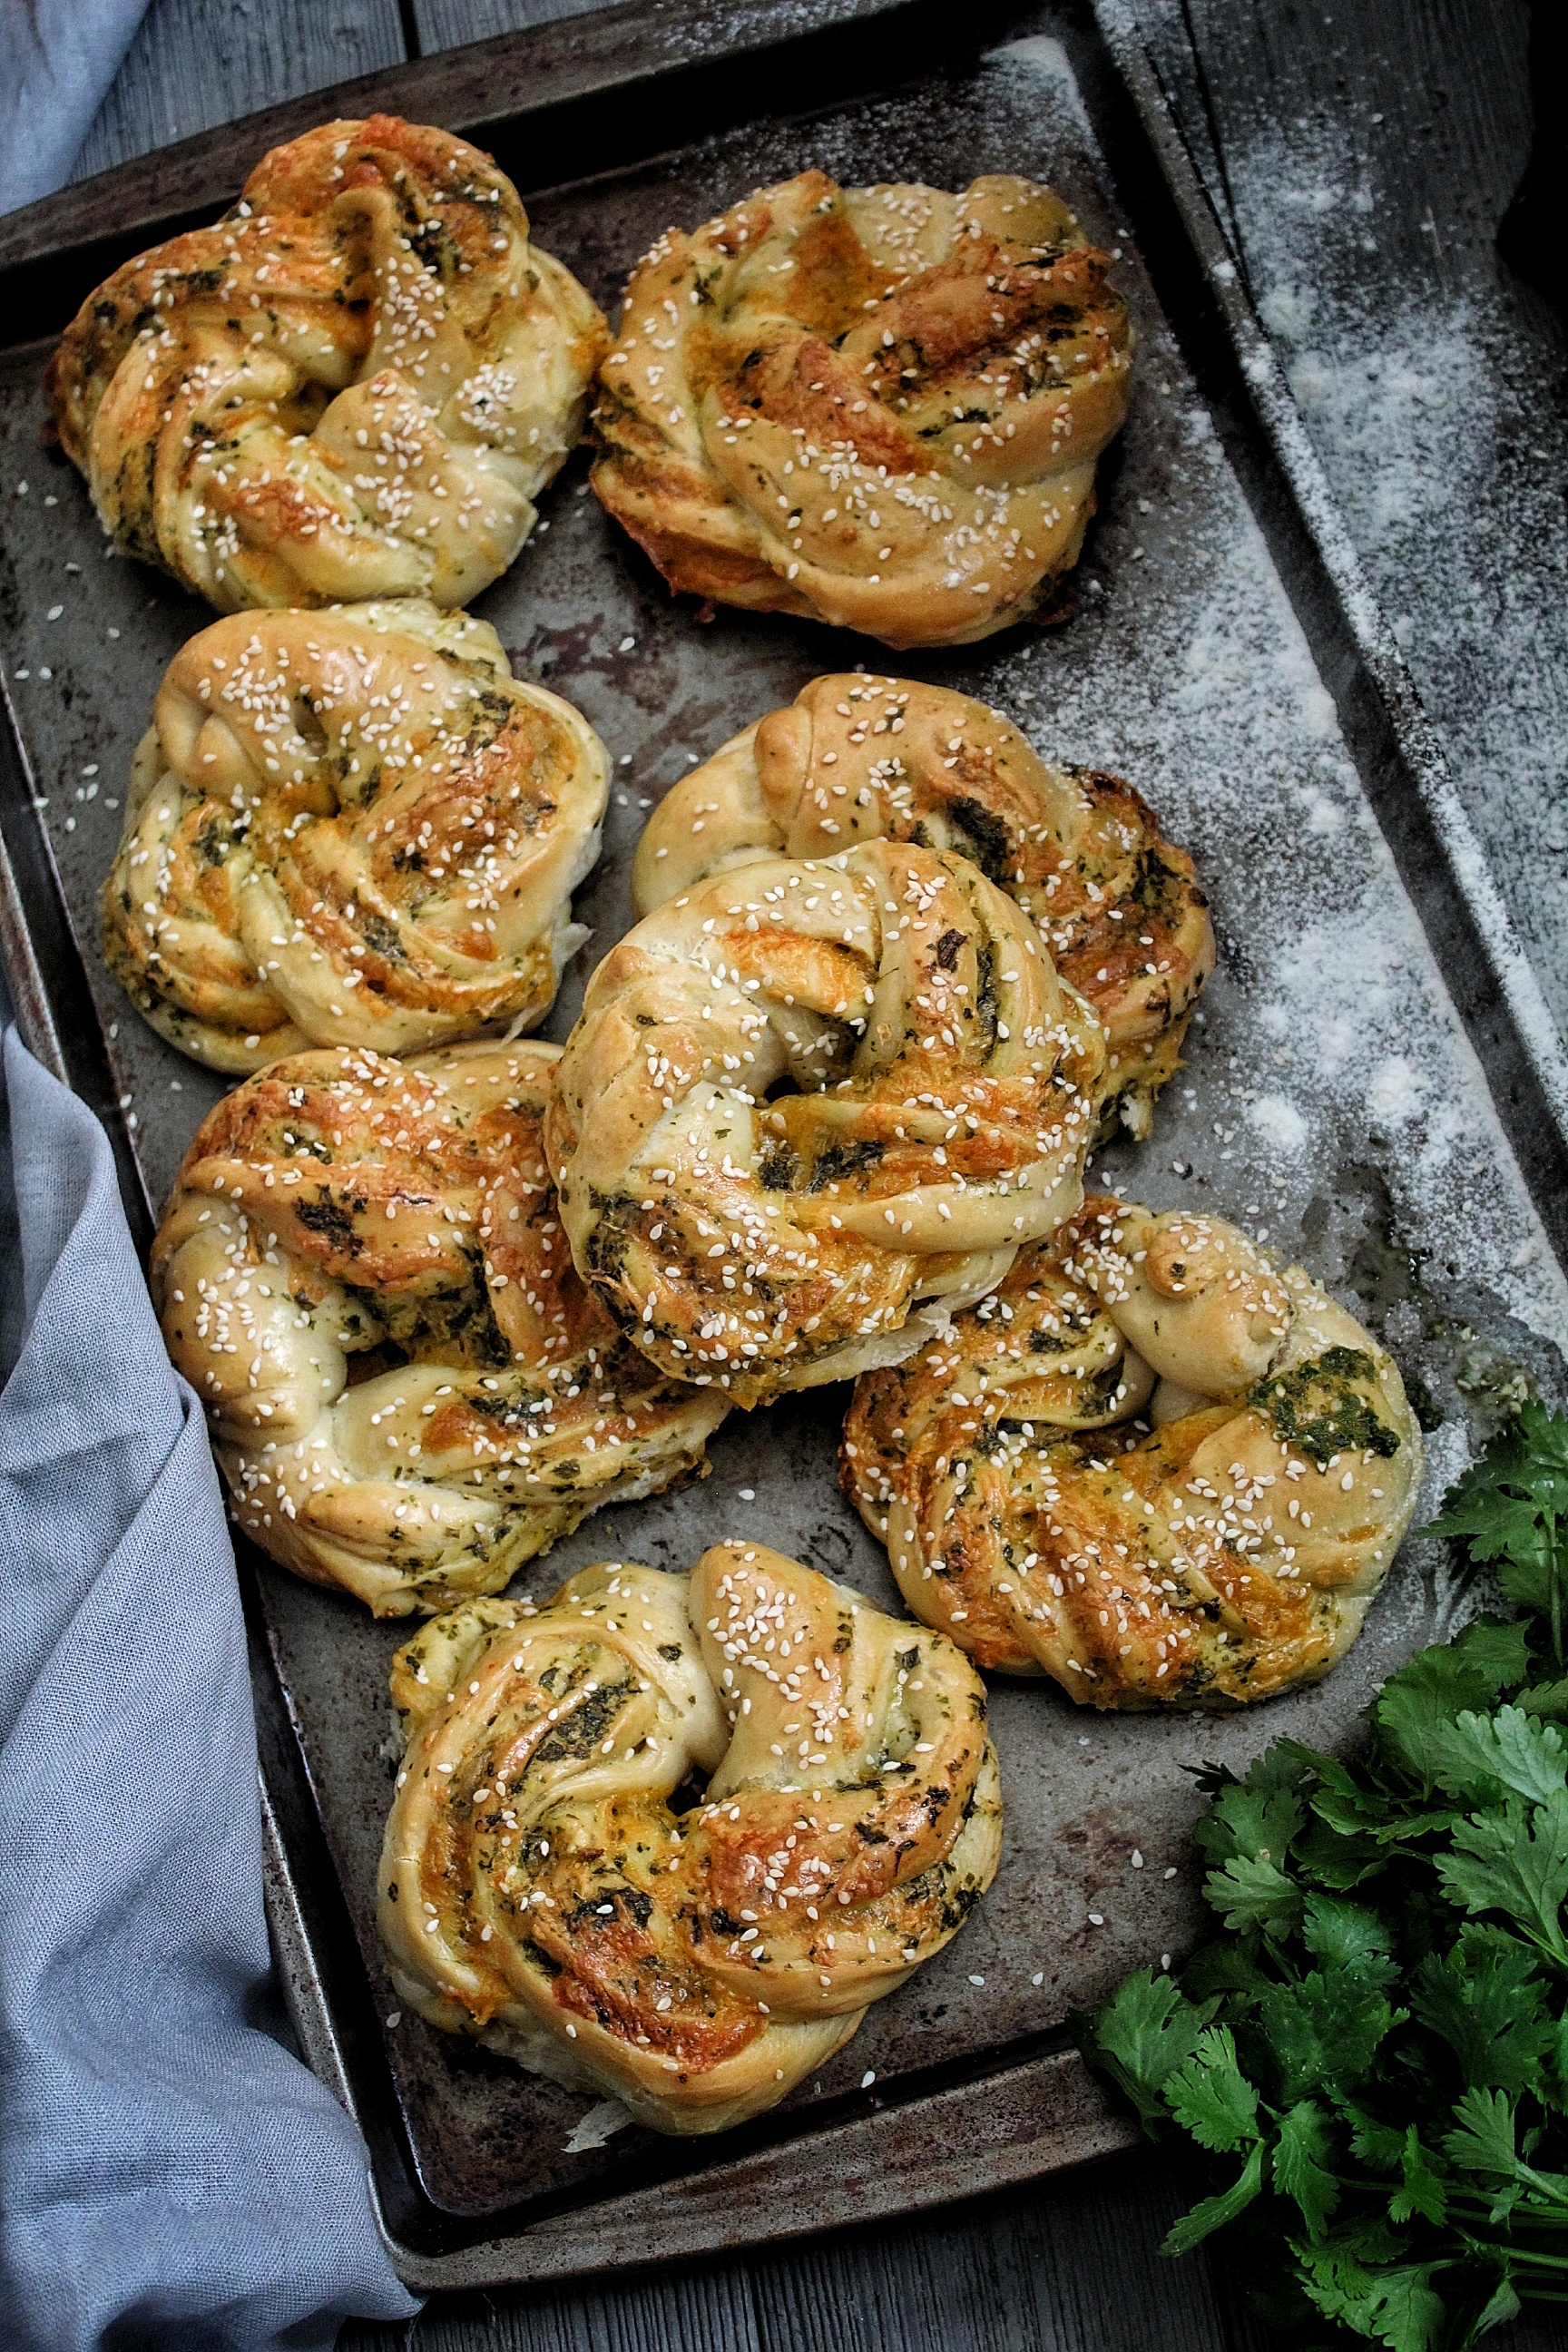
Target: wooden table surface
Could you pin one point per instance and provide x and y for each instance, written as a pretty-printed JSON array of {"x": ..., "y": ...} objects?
[{"x": 1361, "y": 156}]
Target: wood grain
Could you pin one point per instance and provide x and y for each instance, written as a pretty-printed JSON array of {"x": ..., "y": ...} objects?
[
  {"x": 1369, "y": 155},
  {"x": 698, "y": 2310},
  {"x": 197, "y": 63},
  {"x": 1065, "y": 2266},
  {"x": 447, "y": 23},
  {"x": 500, "y": 87}
]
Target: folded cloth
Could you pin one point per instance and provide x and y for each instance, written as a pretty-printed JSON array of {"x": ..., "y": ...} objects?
[
  {"x": 170, "y": 2176},
  {"x": 58, "y": 58}
]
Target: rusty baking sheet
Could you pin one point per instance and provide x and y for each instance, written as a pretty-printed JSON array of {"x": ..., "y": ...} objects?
[{"x": 1365, "y": 1086}]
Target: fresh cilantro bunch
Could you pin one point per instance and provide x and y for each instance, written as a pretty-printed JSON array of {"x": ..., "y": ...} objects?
[{"x": 1374, "y": 2051}]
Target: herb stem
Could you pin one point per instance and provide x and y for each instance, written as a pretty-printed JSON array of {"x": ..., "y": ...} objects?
[
  {"x": 1517, "y": 2253},
  {"x": 1482, "y": 2201}
]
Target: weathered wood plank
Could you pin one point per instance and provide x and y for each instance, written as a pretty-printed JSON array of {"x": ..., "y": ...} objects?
[
  {"x": 697, "y": 2309},
  {"x": 1065, "y": 2266},
  {"x": 598, "y": 60},
  {"x": 1370, "y": 155},
  {"x": 197, "y": 63},
  {"x": 1425, "y": 104},
  {"x": 1182, "y": 76},
  {"x": 447, "y": 23}
]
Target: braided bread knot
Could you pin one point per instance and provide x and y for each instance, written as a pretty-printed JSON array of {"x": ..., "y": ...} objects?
[
  {"x": 811, "y": 1107},
  {"x": 343, "y": 1204},
  {"x": 856, "y": 758},
  {"x": 353, "y": 385},
  {"x": 1224, "y": 1553},
  {"x": 879, "y": 407},
  {"x": 352, "y": 828},
  {"x": 541, "y": 1892}
]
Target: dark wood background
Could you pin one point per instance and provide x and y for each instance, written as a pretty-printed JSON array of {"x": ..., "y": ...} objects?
[{"x": 1361, "y": 157}]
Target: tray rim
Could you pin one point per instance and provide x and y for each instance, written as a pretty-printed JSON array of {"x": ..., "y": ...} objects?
[
  {"x": 512, "y": 80},
  {"x": 1047, "y": 2112}
]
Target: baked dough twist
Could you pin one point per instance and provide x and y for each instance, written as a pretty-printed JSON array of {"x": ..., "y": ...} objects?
[
  {"x": 1225, "y": 1553},
  {"x": 856, "y": 758},
  {"x": 879, "y": 407},
  {"x": 352, "y": 827},
  {"x": 944, "y": 1092},
  {"x": 339, "y": 1203},
  {"x": 540, "y": 1891},
  {"x": 353, "y": 385}
]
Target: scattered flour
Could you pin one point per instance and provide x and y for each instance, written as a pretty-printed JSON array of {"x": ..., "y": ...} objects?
[
  {"x": 1329, "y": 1037},
  {"x": 1433, "y": 400}
]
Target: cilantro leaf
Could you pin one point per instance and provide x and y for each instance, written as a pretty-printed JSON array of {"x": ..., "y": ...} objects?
[
  {"x": 1490, "y": 1656},
  {"x": 1547, "y": 1700},
  {"x": 1478, "y": 1756},
  {"x": 1260, "y": 1815},
  {"x": 1350, "y": 1937},
  {"x": 1491, "y": 1653},
  {"x": 1422, "y": 2190},
  {"x": 1254, "y": 1892},
  {"x": 1345, "y": 1798},
  {"x": 1335, "y": 1856},
  {"x": 1528, "y": 1460},
  {"x": 1514, "y": 1859},
  {"x": 1552, "y": 2086},
  {"x": 1227, "y": 1967},
  {"x": 1522, "y": 1755},
  {"x": 1211, "y": 2097},
  {"x": 1142, "y": 2034},
  {"x": 1501, "y": 2305},
  {"x": 1302, "y": 2154},
  {"x": 1395, "y": 2305},
  {"x": 1530, "y": 1576},
  {"x": 1484, "y": 2142},
  {"x": 1510, "y": 1506},
  {"x": 1375, "y": 2143},
  {"x": 1486, "y": 2001},
  {"x": 1214, "y": 2212},
  {"x": 1321, "y": 2033},
  {"x": 1498, "y": 1524}
]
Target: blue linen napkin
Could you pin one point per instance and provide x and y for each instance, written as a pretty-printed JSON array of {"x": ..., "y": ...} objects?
[
  {"x": 58, "y": 58},
  {"x": 170, "y": 2176}
]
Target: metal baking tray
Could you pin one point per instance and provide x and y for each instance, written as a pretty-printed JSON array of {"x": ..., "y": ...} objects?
[{"x": 1372, "y": 1081}]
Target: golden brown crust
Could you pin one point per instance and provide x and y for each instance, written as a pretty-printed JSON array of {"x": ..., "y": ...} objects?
[
  {"x": 857, "y": 758},
  {"x": 353, "y": 385},
  {"x": 808, "y": 1097},
  {"x": 1227, "y": 1552},
  {"x": 881, "y": 407},
  {"x": 344, "y": 1205},
  {"x": 538, "y": 1891},
  {"x": 352, "y": 827}
]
